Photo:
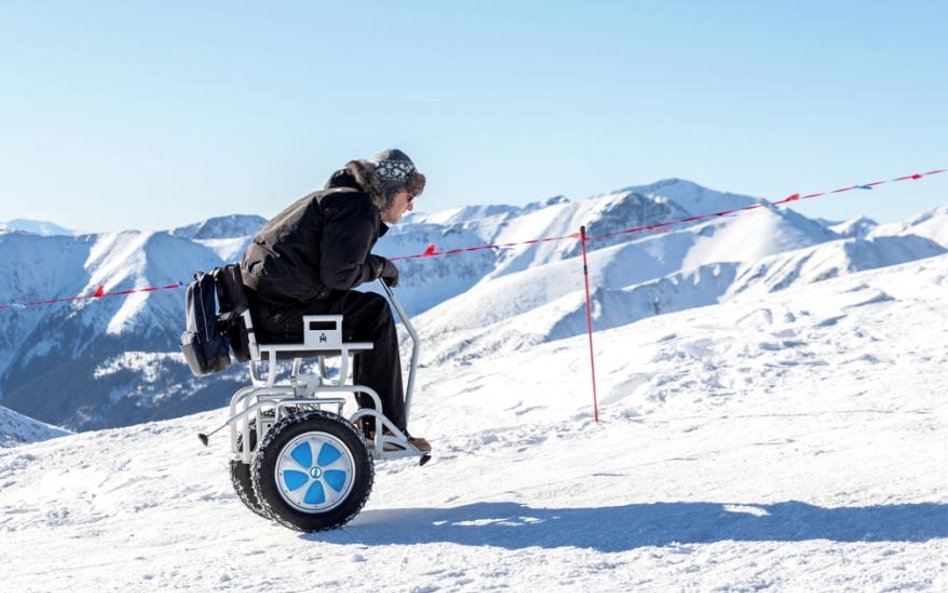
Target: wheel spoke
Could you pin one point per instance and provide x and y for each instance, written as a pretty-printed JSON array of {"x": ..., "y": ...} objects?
[
  {"x": 328, "y": 454},
  {"x": 303, "y": 455},
  {"x": 315, "y": 494},
  {"x": 342, "y": 464},
  {"x": 336, "y": 479},
  {"x": 294, "y": 479},
  {"x": 291, "y": 464}
]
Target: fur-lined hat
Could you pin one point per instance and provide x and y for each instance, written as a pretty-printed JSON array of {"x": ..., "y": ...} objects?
[
  {"x": 381, "y": 177},
  {"x": 395, "y": 170}
]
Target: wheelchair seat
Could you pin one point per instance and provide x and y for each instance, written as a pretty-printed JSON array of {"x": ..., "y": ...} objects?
[{"x": 321, "y": 336}]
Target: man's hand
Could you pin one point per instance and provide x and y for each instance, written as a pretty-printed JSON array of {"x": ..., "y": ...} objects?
[{"x": 388, "y": 272}]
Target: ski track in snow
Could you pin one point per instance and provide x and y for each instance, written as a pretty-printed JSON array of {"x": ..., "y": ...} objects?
[{"x": 790, "y": 443}]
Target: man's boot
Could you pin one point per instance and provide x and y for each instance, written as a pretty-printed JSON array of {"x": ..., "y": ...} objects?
[
  {"x": 417, "y": 442},
  {"x": 420, "y": 444}
]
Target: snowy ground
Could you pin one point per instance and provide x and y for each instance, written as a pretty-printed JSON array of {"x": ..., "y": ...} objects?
[{"x": 795, "y": 443}]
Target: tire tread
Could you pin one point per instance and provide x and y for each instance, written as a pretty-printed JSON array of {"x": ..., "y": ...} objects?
[{"x": 274, "y": 433}]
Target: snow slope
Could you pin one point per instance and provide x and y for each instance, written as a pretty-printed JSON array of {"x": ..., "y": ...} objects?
[
  {"x": 16, "y": 429},
  {"x": 651, "y": 275},
  {"x": 932, "y": 225},
  {"x": 788, "y": 442},
  {"x": 829, "y": 260},
  {"x": 759, "y": 252}
]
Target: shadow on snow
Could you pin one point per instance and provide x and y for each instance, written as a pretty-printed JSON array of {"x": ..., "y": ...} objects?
[{"x": 615, "y": 529}]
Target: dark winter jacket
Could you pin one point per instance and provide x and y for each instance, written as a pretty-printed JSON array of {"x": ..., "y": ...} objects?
[{"x": 320, "y": 243}]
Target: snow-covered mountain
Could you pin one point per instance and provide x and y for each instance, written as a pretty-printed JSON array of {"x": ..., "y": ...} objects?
[
  {"x": 235, "y": 226},
  {"x": 762, "y": 251},
  {"x": 103, "y": 362},
  {"x": 857, "y": 228},
  {"x": 17, "y": 429},
  {"x": 227, "y": 236},
  {"x": 120, "y": 358},
  {"x": 34, "y": 227},
  {"x": 693, "y": 197},
  {"x": 791, "y": 442},
  {"x": 932, "y": 225},
  {"x": 830, "y": 260}
]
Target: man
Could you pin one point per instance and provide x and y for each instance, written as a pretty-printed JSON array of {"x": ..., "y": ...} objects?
[{"x": 308, "y": 259}]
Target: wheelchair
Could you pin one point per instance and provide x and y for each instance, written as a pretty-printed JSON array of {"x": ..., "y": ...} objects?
[{"x": 295, "y": 457}]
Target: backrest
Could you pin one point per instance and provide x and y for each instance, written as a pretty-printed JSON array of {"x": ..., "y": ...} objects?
[{"x": 233, "y": 306}]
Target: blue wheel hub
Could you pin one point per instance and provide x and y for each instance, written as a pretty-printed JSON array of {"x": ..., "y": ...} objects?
[{"x": 314, "y": 472}]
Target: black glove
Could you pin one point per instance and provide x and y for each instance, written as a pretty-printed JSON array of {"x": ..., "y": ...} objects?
[{"x": 388, "y": 272}]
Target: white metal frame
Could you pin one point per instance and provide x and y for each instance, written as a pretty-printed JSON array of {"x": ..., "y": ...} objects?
[{"x": 267, "y": 401}]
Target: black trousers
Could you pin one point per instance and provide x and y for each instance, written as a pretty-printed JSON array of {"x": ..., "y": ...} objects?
[{"x": 366, "y": 317}]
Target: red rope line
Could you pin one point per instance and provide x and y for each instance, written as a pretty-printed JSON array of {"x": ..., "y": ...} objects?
[
  {"x": 432, "y": 251},
  {"x": 787, "y": 200},
  {"x": 99, "y": 293}
]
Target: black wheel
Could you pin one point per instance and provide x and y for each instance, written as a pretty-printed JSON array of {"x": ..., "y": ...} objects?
[
  {"x": 312, "y": 471},
  {"x": 240, "y": 478}
]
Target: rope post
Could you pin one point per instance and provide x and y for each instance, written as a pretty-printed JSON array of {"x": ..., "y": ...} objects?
[{"x": 589, "y": 330}]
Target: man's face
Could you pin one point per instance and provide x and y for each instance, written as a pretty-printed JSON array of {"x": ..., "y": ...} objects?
[{"x": 401, "y": 203}]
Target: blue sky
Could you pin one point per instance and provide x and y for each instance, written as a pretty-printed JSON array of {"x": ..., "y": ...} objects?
[{"x": 117, "y": 115}]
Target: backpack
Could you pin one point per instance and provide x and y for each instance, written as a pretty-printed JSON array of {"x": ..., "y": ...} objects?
[{"x": 204, "y": 343}]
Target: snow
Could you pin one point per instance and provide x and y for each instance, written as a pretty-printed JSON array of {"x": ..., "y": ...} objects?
[
  {"x": 43, "y": 348},
  {"x": 754, "y": 235},
  {"x": 932, "y": 225},
  {"x": 831, "y": 259},
  {"x": 148, "y": 366},
  {"x": 35, "y": 227},
  {"x": 695, "y": 198},
  {"x": 460, "y": 215},
  {"x": 235, "y": 226},
  {"x": 857, "y": 228},
  {"x": 16, "y": 429},
  {"x": 789, "y": 441},
  {"x": 474, "y": 303},
  {"x": 631, "y": 280},
  {"x": 229, "y": 250},
  {"x": 135, "y": 260}
]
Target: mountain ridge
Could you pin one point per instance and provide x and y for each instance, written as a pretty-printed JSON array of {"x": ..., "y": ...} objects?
[{"x": 121, "y": 357}]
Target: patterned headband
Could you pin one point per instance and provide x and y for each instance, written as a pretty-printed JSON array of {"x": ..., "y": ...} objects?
[{"x": 394, "y": 172}]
